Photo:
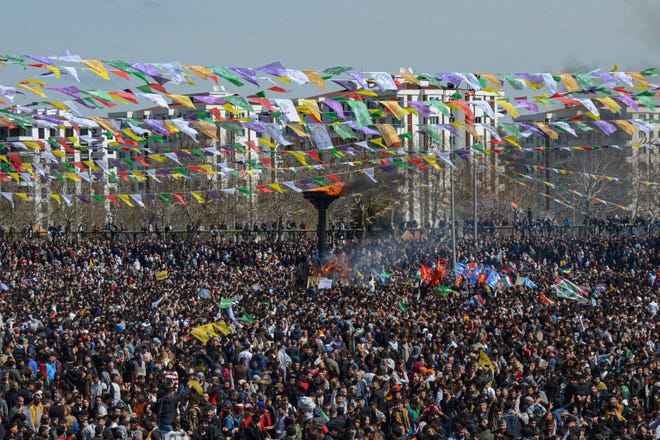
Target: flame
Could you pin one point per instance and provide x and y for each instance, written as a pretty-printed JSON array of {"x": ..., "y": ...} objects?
[{"x": 332, "y": 190}]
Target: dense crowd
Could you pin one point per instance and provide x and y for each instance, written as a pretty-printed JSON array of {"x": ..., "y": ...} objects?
[{"x": 96, "y": 346}]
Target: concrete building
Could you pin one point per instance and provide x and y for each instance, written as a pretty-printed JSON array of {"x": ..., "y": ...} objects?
[{"x": 634, "y": 158}]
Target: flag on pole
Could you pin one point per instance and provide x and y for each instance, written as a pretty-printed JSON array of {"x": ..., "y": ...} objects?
[
  {"x": 384, "y": 276},
  {"x": 425, "y": 273},
  {"x": 226, "y": 303},
  {"x": 568, "y": 290},
  {"x": 484, "y": 361},
  {"x": 440, "y": 271},
  {"x": 245, "y": 317},
  {"x": 515, "y": 206},
  {"x": 444, "y": 291}
]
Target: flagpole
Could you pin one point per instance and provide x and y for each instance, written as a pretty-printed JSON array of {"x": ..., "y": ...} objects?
[
  {"x": 453, "y": 214},
  {"x": 474, "y": 194}
]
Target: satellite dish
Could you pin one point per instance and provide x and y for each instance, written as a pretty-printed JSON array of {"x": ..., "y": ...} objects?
[
  {"x": 410, "y": 70},
  {"x": 402, "y": 69}
]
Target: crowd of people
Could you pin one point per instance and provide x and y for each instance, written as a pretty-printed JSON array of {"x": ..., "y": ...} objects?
[{"x": 97, "y": 341}]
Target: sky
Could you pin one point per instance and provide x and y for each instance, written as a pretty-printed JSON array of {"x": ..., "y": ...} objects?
[{"x": 368, "y": 35}]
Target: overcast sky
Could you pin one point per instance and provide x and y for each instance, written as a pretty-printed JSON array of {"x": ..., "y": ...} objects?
[{"x": 368, "y": 35}]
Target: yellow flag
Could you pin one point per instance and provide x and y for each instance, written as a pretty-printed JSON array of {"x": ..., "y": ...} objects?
[
  {"x": 643, "y": 83},
  {"x": 105, "y": 123},
  {"x": 198, "y": 70},
  {"x": 625, "y": 126},
  {"x": 313, "y": 108},
  {"x": 56, "y": 197},
  {"x": 299, "y": 155},
  {"x": 389, "y": 134},
  {"x": 60, "y": 105},
  {"x": 199, "y": 333},
  {"x": 267, "y": 142},
  {"x": 506, "y": 105},
  {"x": 315, "y": 78},
  {"x": 492, "y": 79},
  {"x": 512, "y": 140},
  {"x": 126, "y": 199},
  {"x": 55, "y": 70},
  {"x": 209, "y": 329},
  {"x": 23, "y": 196},
  {"x": 547, "y": 130},
  {"x": 484, "y": 361},
  {"x": 222, "y": 327},
  {"x": 408, "y": 77},
  {"x": 207, "y": 128},
  {"x": 611, "y": 104},
  {"x": 298, "y": 129},
  {"x": 183, "y": 100},
  {"x": 395, "y": 109},
  {"x": 569, "y": 82},
  {"x": 277, "y": 187},
  {"x": 138, "y": 176},
  {"x": 162, "y": 275},
  {"x": 128, "y": 132},
  {"x": 91, "y": 164},
  {"x": 431, "y": 161},
  {"x": 379, "y": 142},
  {"x": 198, "y": 196},
  {"x": 97, "y": 67},
  {"x": 37, "y": 90}
]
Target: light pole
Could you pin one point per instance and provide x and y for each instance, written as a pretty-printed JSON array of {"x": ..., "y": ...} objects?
[{"x": 474, "y": 195}]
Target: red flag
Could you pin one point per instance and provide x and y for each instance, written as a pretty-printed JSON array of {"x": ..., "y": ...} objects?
[
  {"x": 425, "y": 273},
  {"x": 545, "y": 300},
  {"x": 440, "y": 271}
]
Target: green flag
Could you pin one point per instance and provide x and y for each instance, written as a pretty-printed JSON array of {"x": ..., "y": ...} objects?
[
  {"x": 245, "y": 317},
  {"x": 225, "y": 303},
  {"x": 362, "y": 117},
  {"x": 444, "y": 291},
  {"x": 402, "y": 305},
  {"x": 568, "y": 290}
]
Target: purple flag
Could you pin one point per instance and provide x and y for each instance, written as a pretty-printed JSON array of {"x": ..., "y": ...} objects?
[
  {"x": 365, "y": 129},
  {"x": 450, "y": 78},
  {"x": 42, "y": 60},
  {"x": 157, "y": 125},
  {"x": 213, "y": 194},
  {"x": 70, "y": 90},
  {"x": 275, "y": 69},
  {"x": 145, "y": 68},
  {"x": 336, "y": 107},
  {"x": 254, "y": 126},
  {"x": 358, "y": 77},
  {"x": 532, "y": 128},
  {"x": 247, "y": 73},
  {"x": 627, "y": 100},
  {"x": 83, "y": 198},
  {"x": 152, "y": 198},
  {"x": 423, "y": 109},
  {"x": 527, "y": 104},
  {"x": 210, "y": 99},
  {"x": 605, "y": 127},
  {"x": 450, "y": 128}
]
